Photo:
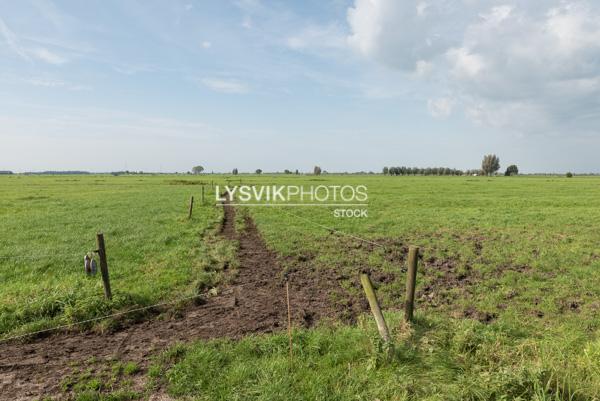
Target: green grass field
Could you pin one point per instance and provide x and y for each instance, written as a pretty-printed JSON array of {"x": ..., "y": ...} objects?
[
  {"x": 154, "y": 253},
  {"x": 508, "y": 286},
  {"x": 509, "y": 301}
]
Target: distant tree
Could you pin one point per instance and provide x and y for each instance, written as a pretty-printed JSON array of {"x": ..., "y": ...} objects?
[
  {"x": 317, "y": 170},
  {"x": 511, "y": 170},
  {"x": 234, "y": 171},
  {"x": 569, "y": 174},
  {"x": 490, "y": 164},
  {"x": 286, "y": 171},
  {"x": 297, "y": 172},
  {"x": 258, "y": 171},
  {"x": 197, "y": 169},
  {"x": 386, "y": 171}
]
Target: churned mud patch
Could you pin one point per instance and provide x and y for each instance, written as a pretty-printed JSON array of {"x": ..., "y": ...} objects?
[
  {"x": 569, "y": 305},
  {"x": 520, "y": 268},
  {"x": 254, "y": 300},
  {"x": 473, "y": 313},
  {"x": 438, "y": 278},
  {"x": 445, "y": 282}
]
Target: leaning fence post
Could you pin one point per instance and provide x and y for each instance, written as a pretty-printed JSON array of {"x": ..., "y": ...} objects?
[
  {"x": 375, "y": 308},
  {"x": 191, "y": 207},
  {"x": 411, "y": 281},
  {"x": 103, "y": 265}
]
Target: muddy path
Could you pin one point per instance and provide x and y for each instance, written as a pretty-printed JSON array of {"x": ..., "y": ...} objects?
[{"x": 254, "y": 301}]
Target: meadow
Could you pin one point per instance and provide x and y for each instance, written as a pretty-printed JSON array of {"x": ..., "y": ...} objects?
[
  {"x": 155, "y": 254},
  {"x": 508, "y": 286}
]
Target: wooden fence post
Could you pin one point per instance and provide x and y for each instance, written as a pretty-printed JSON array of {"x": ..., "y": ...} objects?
[
  {"x": 289, "y": 312},
  {"x": 375, "y": 308},
  {"x": 411, "y": 281},
  {"x": 203, "y": 194},
  {"x": 103, "y": 265},
  {"x": 191, "y": 207}
]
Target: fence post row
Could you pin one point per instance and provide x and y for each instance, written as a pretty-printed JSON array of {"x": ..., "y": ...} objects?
[
  {"x": 411, "y": 281},
  {"x": 375, "y": 308},
  {"x": 191, "y": 207},
  {"x": 103, "y": 265}
]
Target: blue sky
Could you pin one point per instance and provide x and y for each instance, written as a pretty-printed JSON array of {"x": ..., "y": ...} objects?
[{"x": 347, "y": 85}]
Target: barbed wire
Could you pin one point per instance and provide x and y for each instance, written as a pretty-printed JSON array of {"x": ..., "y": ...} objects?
[
  {"x": 95, "y": 319},
  {"x": 356, "y": 237},
  {"x": 122, "y": 313},
  {"x": 35, "y": 257},
  {"x": 332, "y": 229}
]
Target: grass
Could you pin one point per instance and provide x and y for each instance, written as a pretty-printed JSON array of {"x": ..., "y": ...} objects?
[
  {"x": 519, "y": 319},
  {"x": 434, "y": 360},
  {"x": 154, "y": 252},
  {"x": 508, "y": 286}
]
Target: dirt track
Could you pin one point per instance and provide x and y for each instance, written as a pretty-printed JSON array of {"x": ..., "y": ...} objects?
[{"x": 254, "y": 302}]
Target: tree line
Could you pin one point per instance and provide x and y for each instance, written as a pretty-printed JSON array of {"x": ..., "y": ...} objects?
[
  {"x": 421, "y": 171},
  {"x": 489, "y": 166}
]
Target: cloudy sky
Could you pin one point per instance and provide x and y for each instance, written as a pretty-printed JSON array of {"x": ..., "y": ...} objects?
[{"x": 348, "y": 85}]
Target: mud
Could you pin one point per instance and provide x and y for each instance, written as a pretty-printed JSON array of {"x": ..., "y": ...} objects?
[{"x": 254, "y": 301}]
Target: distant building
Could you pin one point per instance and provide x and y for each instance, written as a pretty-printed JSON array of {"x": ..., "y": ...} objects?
[{"x": 5, "y": 172}]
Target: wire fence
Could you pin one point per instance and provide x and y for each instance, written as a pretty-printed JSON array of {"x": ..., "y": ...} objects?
[
  {"x": 38, "y": 257},
  {"x": 349, "y": 235},
  {"x": 172, "y": 302},
  {"x": 79, "y": 256},
  {"x": 95, "y": 319}
]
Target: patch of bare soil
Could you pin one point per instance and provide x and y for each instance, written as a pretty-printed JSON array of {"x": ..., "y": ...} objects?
[
  {"x": 445, "y": 282},
  {"x": 253, "y": 302},
  {"x": 484, "y": 317}
]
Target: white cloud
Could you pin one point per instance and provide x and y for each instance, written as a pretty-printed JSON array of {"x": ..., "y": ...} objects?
[
  {"x": 11, "y": 40},
  {"x": 465, "y": 63},
  {"x": 52, "y": 83},
  {"x": 247, "y": 22},
  {"x": 14, "y": 43},
  {"x": 423, "y": 68},
  {"x": 206, "y": 44},
  {"x": 318, "y": 37},
  {"x": 440, "y": 108},
  {"x": 103, "y": 123},
  {"x": 398, "y": 33},
  {"x": 225, "y": 85},
  {"x": 48, "y": 56},
  {"x": 522, "y": 67}
]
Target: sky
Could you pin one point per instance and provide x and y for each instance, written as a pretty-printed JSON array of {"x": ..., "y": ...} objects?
[{"x": 346, "y": 85}]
